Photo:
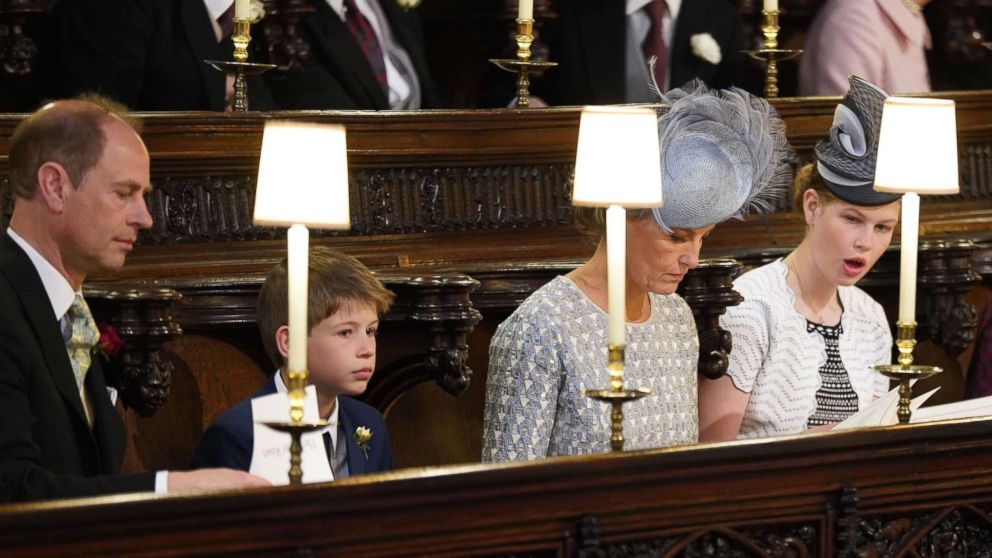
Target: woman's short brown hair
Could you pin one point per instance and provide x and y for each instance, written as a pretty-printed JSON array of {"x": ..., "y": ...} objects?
[
  {"x": 335, "y": 280},
  {"x": 592, "y": 220}
]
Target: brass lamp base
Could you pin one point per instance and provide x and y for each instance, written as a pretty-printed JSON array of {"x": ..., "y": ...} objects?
[
  {"x": 905, "y": 372},
  {"x": 523, "y": 68},
  {"x": 770, "y": 53},
  {"x": 617, "y": 395},
  {"x": 905, "y": 376},
  {"x": 240, "y": 70},
  {"x": 616, "y": 398},
  {"x": 522, "y": 64},
  {"x": 296, "y": 431}
]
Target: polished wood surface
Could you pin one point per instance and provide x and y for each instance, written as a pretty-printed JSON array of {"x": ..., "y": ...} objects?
[{"x": 919, "y": 490}]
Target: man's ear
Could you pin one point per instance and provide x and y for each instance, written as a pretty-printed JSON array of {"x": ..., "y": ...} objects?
[
  {"x": 53, "y": 182},
  {"x": 282, "y": 341}
]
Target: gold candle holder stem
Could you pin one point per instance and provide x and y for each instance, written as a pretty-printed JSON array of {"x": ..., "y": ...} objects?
[
  {"x": 241, "y": 36},
  {"x": 617, "y": 395},
  {"x": 240, "y": 67},
  {"x": 770, "y": 29},
  {"x": 905, "y": 343},
  {"x": 296, "y": 426},
  {"x": 770, "y": 53},
  {"x": 615, "y": 366},
  {"x": 524, "y": 38},
  {"x": 905, "y": 372},
  {"x": 523, "y": 65}
]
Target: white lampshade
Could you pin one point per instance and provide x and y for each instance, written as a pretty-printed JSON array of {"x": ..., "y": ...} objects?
[
  {"x": 303, "y": 176},
  {"x": 617, "y": 161},
  {"x": 917, "y": 147}
]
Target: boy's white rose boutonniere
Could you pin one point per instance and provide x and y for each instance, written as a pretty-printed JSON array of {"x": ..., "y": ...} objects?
[
  {"x": 704, "y": 46},
  {"x": 256, "y": 11},
  {"x": 363, "y": 435}
]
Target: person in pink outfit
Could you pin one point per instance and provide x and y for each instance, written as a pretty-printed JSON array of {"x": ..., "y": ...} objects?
[{"x": 882, "y": 41}]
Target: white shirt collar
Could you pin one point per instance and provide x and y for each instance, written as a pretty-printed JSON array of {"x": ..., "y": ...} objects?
[
  {"x": 337, "y": 6},
  {"x": 216, "y": 8},
  {"x": 633, "y": 6},
  {"x": 60, "y": 292},
  {"x": 332, "y": 421}
]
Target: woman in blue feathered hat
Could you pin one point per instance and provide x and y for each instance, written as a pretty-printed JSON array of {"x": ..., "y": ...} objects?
[{"x": 722, "y": 153}]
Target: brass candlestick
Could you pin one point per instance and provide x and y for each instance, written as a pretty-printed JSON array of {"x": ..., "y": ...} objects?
[
  {"x": 616, "y": 396},
  {"x": 240, "y": 67},
  {"x": 296, "y": 426},
  {"x": 770, "y": 53},
  {"x": 905, "y": 372},
  {"x": 523, "y": 65}
]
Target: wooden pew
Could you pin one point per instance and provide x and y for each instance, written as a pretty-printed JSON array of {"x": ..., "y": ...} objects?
[{"x": 478, "y": 194}]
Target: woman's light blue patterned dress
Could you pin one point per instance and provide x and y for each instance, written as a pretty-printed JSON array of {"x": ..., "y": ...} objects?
[{"x": 554, "y": 346}]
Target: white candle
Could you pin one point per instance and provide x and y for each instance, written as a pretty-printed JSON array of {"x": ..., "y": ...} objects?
[
  {"x": 298, "y": 241},
  {"x": 771, "y": 5},
  {"x": 525, "y": 9},
  {"x": 242, "y": 9},
  {"x": 616, "y": 273},
  {"x": 907, "y": 257}
]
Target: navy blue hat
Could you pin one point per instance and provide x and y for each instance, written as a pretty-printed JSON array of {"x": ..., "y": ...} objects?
[{"x": 846, "y": 160}]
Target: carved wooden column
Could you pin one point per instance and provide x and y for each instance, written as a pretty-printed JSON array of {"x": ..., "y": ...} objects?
[
  {"x": 142, "y": 317},
  {"x": 709, "y": 291},
  {"x": 945, "y": 279},
  {"x": 440, "y": 306}
]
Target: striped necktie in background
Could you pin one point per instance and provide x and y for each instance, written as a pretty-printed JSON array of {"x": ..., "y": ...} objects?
[{"x": 362, "y": 30}]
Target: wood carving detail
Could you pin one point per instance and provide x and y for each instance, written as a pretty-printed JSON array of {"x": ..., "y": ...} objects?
[
  {"x": 955, "y": 532},
  {"x": 764, "y": 542},
  {"x": 946, "y": 278},
  {"x": 203, "y": 209},
  {"x": 383, "y": 201},
  {"x": 442, "y": 304},
  {"x": 143, "y": 319},
  {"x": 709, "y": 291}
]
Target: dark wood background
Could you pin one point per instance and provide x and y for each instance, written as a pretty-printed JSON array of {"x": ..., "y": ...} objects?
[{"x": 461, "y": 36}]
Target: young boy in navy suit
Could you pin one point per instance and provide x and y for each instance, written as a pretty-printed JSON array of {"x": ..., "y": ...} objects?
[{"x": 345, "y": 302}]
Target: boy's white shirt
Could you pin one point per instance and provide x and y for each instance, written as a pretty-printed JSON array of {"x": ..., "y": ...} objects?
[{"x": 270, "y": 451}]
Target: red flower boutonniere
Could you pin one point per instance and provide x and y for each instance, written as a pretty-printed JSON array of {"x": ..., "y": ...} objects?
[{"x": 110, "y": 343}]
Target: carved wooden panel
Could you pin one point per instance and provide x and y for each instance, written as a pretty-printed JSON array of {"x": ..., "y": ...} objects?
[
  {"x": 763, "y": 542},
  {"x": 954, "y": 532}
]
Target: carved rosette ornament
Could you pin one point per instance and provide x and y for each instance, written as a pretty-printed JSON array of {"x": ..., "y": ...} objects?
[
  {"x": 143, "y": 319},
  {"x": 946, "y": 277},
  {"x": 709, "y": 291}
]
